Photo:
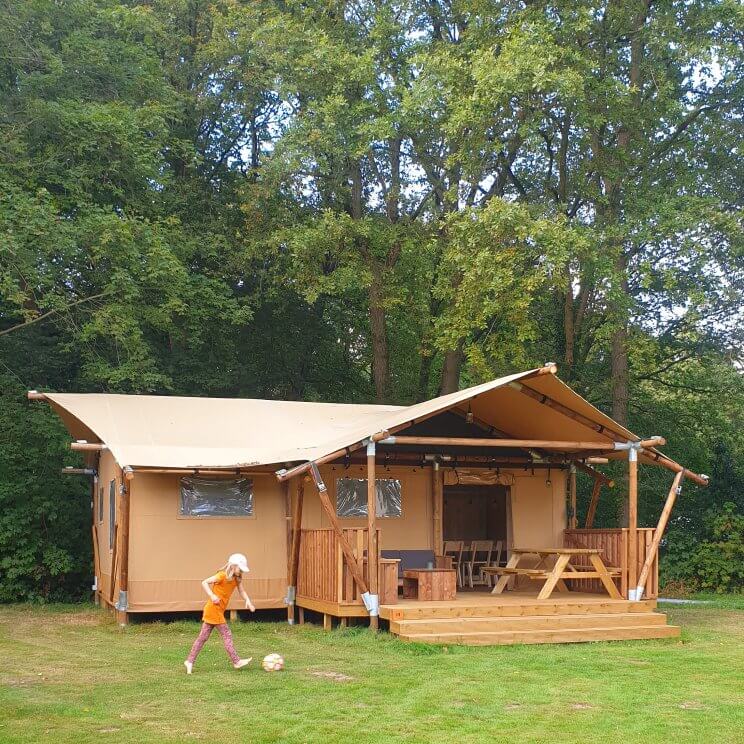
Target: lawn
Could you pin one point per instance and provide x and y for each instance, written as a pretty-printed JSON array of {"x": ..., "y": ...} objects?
[{"x": 69, "y": 674}]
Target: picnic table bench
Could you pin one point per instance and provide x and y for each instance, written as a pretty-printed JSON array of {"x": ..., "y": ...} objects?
[{"x": 554, "y": 576}]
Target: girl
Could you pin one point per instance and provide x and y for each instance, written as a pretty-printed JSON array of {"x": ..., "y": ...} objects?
[{"x": 219, "y": 589}]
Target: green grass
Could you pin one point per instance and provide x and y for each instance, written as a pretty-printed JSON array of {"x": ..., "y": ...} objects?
[{"x": 69, "y": 674}]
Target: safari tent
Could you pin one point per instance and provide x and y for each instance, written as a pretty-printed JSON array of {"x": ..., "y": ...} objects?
[{"x": 339, "y": 506}]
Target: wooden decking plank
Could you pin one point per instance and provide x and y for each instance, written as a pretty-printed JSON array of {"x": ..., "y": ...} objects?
[
  {"x": 538, "y": 622},
  {"x": 548, "y": 636}
]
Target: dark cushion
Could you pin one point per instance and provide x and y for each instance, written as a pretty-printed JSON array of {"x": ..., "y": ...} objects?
[{"x": 409, "y": 558}]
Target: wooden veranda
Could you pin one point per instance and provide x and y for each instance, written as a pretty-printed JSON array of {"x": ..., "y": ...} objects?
[{"x": 342, "y": 573}]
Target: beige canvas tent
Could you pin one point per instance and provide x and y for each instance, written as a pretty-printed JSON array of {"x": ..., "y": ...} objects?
[{"x": 331, "y": 501}]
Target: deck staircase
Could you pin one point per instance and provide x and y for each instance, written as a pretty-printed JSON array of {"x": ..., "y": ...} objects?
[{"x": 477, "y": 623}]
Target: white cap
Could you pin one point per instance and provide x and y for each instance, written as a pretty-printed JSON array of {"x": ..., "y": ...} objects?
[{"x": 239, "y": 560}]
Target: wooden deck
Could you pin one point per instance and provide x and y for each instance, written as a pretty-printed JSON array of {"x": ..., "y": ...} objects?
[{"x": 481, "y": 618}]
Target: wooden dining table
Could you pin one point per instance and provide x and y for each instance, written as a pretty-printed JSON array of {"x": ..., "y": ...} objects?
[{"x": 555, "y": 576}]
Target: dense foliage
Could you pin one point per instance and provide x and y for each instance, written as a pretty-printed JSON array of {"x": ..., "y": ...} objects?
[{"x": 357, "y": 201}]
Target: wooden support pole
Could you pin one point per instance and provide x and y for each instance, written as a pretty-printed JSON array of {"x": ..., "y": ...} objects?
[
  {"x": 287, "y": 520},
  {"x": 96, "y": 564},
  {"x": 632, "y": 521},
  {"x": 351, "y": 560},
  {"x": 592, "y": 510},
  {"x": 82, "y": 446},
  {"x": 124, "y": 504},
  {"x": 78, "y": 471},
  {"x": 114, "y": 564},
  {"x": 674, "y": 491},
  {"x": 220, "y": 472},
  {"x": 437, "y": 491},
  {"x": 488, "y": 442},
  {"x": 372, "y": 548},
  {"x": 572, "y": 497},
  {"x": 294, "y": 555},
  {"x": 659, "y": 459},
  {"x": 595, "y": 474}
]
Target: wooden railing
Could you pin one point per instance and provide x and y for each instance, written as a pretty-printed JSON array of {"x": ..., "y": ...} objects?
[
  {"x": 614, "y": 544},
  {"x": 323, "y": 573}
]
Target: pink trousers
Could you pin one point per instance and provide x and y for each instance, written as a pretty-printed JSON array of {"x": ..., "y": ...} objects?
[{"x": 201, "y": 639}]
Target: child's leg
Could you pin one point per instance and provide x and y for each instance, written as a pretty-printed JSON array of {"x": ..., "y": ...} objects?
[
  {"x": 201, "y": 639},
  {"x": 228, "y": 641}
]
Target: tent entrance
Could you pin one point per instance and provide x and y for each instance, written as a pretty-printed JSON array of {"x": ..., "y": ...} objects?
[{"x": 475, "y": 513}]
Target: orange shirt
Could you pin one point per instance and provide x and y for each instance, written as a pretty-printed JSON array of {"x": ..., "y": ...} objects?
[{"x": 223, "y": 588}]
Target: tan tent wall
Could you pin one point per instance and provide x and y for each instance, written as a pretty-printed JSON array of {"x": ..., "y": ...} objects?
[
  {"x": 170, "y": 555},
  {"x": 108, "y": 470},
  {"x": 412, "y": 531},
  {"x": 538, "y": 510}
]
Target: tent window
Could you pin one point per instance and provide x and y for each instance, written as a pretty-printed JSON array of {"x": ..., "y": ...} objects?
[
  {"x": 100, "y": 503},
  {"x": 212, "y": 497},
  {"x": 112, "y": 512},
  {"x": 351, "y": 497}
]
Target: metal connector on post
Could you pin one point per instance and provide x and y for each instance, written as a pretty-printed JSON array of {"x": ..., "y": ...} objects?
[{"x": 371, "y": 603}]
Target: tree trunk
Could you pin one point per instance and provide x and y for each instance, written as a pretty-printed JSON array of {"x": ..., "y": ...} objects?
[
  {"x": 376, "y": 297},
  {"x": 569, "y": 332},
  {"x": 379, "y": 337},
  {"x": 451, "y": 370}
]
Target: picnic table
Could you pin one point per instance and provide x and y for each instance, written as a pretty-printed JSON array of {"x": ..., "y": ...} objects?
[{"x": 554, "y": 576}]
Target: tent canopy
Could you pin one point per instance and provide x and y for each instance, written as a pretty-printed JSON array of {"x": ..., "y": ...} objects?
[{"x": 180, "y": 432}]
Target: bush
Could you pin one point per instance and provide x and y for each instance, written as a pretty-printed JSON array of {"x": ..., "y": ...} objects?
[
  {"x": 45, "y": 552},
  {"x": 715, "y": 561}
]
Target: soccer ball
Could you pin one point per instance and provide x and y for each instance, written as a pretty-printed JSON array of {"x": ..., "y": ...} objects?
[{"x": 273, "y": 663}]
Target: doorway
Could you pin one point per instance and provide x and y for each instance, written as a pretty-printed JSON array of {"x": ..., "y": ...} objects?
[{"x": 475, "y": 513}]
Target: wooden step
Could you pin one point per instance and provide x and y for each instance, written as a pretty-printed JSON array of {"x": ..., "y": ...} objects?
[
  {"x": 535, "y": 622},
  {"x": 463, "y": 608},
  {"x": 576, "y": 635}
]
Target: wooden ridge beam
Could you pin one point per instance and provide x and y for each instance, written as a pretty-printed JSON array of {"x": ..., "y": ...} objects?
[
  {"x": 546, "y": 400},
  {"x": 659, "y": 459},
  {"x": 82, "y": 446},
  {"x": 487, "y": 442}
]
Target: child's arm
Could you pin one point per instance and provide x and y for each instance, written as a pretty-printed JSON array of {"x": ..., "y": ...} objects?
[
  {"x": 244, "y": 595},
  {"x": 207, "y": 586}
]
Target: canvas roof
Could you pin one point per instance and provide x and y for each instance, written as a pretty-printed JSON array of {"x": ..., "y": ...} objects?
[{"x": 162, "y": 431}]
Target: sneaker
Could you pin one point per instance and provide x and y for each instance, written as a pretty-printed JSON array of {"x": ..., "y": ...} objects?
[
  {"x": 189, "y": 666},
  {"x": 242, "y": 663}
]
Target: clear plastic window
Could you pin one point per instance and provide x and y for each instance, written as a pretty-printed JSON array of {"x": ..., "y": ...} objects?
[
  {"x": 216, "y": 497},
  {"x": 351, "y": 497}
]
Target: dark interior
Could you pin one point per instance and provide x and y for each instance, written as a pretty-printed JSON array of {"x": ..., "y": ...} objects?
[{"x": 474, "y": 513}]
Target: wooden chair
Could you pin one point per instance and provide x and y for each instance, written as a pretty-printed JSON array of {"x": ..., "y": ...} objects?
[
  {"x": 453, "y": 549},
  {"x": 483, "y": 554},
  {"x": 480, "y": 557}
]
